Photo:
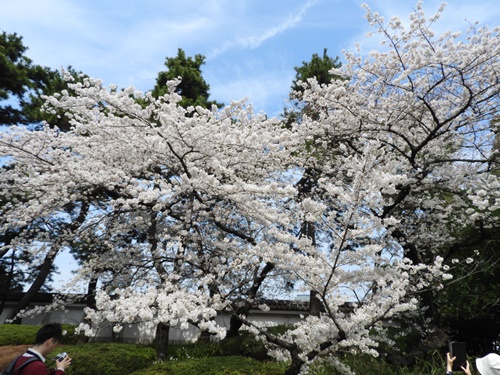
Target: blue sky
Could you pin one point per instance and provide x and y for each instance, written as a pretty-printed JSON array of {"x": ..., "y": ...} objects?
[{"x": 251, "y": 46}]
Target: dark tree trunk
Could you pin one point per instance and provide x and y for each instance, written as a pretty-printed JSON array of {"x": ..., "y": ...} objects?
[
  {"x": 295, "y": 366},
  {"x": 161, "y": 341},
  {"x": 91, "y": 303},
  {"x": 8, "y": 282},
  {"x": 234, "y": 326},
  {"x": 162, "y": 329},
  {"x": 34, "y": 288},
  {"x": 91, "y": 291},
  {"x": 314, "y": 304},
  {"x": 204, "y": 336},
  {"x": 235, "y": 323},
  {"x": 47, "y": 265}
]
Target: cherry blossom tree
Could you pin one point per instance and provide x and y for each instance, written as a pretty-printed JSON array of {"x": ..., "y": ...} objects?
[
  {"x": 189, "y": 206},
  {"x": 405, "y": 150},
  {"x": 168, "y": 194}
]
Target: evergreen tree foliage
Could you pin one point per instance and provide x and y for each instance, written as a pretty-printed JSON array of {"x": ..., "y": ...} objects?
[
  {"x": 193, "y": 88},
  {"x": 14, "y": 77},
  {"x": 317, "y": 69},
  {"x": 47, "y": 82},
  {"x": 24, "y": 84}
]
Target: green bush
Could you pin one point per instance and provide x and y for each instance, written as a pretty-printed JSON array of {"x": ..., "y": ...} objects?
[
  {"x": 368, "y": 365},
  {"x": 17, "y": 334},
  {"x": 245, "y": 345},
  {"x": 200, "y": 358},
  {"x": 214, "y": 366},
  {"x": 107, "y": 358},
  {"x": 194, "y": 350},
  {"x": 14, "y": 334}
]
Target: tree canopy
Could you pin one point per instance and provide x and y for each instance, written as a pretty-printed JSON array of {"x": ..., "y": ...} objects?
[
  {"x": 319, "y": 68},
  {"x": 14, "y": 76},
  {"x": 23, "y": 83},
  {"x": 186, "y": 209},
  {"x": 193, "y": 88}
]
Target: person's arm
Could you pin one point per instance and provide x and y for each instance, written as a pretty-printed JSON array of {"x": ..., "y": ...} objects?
[
  {"x": 449, "y": 364},
  {"x": 466, "y": 369},
  {"x": 62, "y": 365}
]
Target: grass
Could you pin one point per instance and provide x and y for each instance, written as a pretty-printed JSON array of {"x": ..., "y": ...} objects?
[
  {"x": 189, "y": 359},
  {"x": 215, "y": 366}
]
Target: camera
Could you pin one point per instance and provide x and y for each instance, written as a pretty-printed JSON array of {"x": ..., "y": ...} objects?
[{"x": 60, "y": 356}]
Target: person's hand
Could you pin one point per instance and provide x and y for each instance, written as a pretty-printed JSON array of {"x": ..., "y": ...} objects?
[
  {"x": 63, "y": 363},
  {"x": 466, "y": 369},
  {"x": 449, "y": 362}
]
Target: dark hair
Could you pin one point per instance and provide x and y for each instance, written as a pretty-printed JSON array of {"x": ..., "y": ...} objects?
[{"x": 49, "y": 331}]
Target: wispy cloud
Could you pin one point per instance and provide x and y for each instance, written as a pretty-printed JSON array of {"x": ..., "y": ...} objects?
[
  {"x": 255, "y": 40},
  {"x": 251, "y": 45}
]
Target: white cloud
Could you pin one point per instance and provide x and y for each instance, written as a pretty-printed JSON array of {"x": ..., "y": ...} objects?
[
  {"x": 251, "y": 45},
  {"x": 255, "y": 40}
]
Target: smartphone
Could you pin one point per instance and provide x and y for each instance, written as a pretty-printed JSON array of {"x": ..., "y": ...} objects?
[{"x": 458, "y": 350}]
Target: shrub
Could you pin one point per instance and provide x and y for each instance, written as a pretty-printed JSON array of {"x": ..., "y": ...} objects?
[
  {"x": 246, "y": 345},
  {"x": 16, "y": 334},
  {"x": 368, "y": 365},
  {"x": 215, "y": 366},
  {"x": 198, "y": 358},
  {"x": 194, "y": 350},
  {"x": 108, "y": 358},
  {"x": 13, "y": 334}
]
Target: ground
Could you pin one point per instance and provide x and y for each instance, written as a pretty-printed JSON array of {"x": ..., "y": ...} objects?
[{"x": 9, "y": 352}]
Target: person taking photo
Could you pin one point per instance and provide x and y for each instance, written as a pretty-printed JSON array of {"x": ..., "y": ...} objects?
[
  {"x": 32, "y": 362},
  {"x": 487, "y": 365}
]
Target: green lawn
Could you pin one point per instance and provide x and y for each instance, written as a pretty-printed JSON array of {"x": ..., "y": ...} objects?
[{"x": 189, "y": 359}]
